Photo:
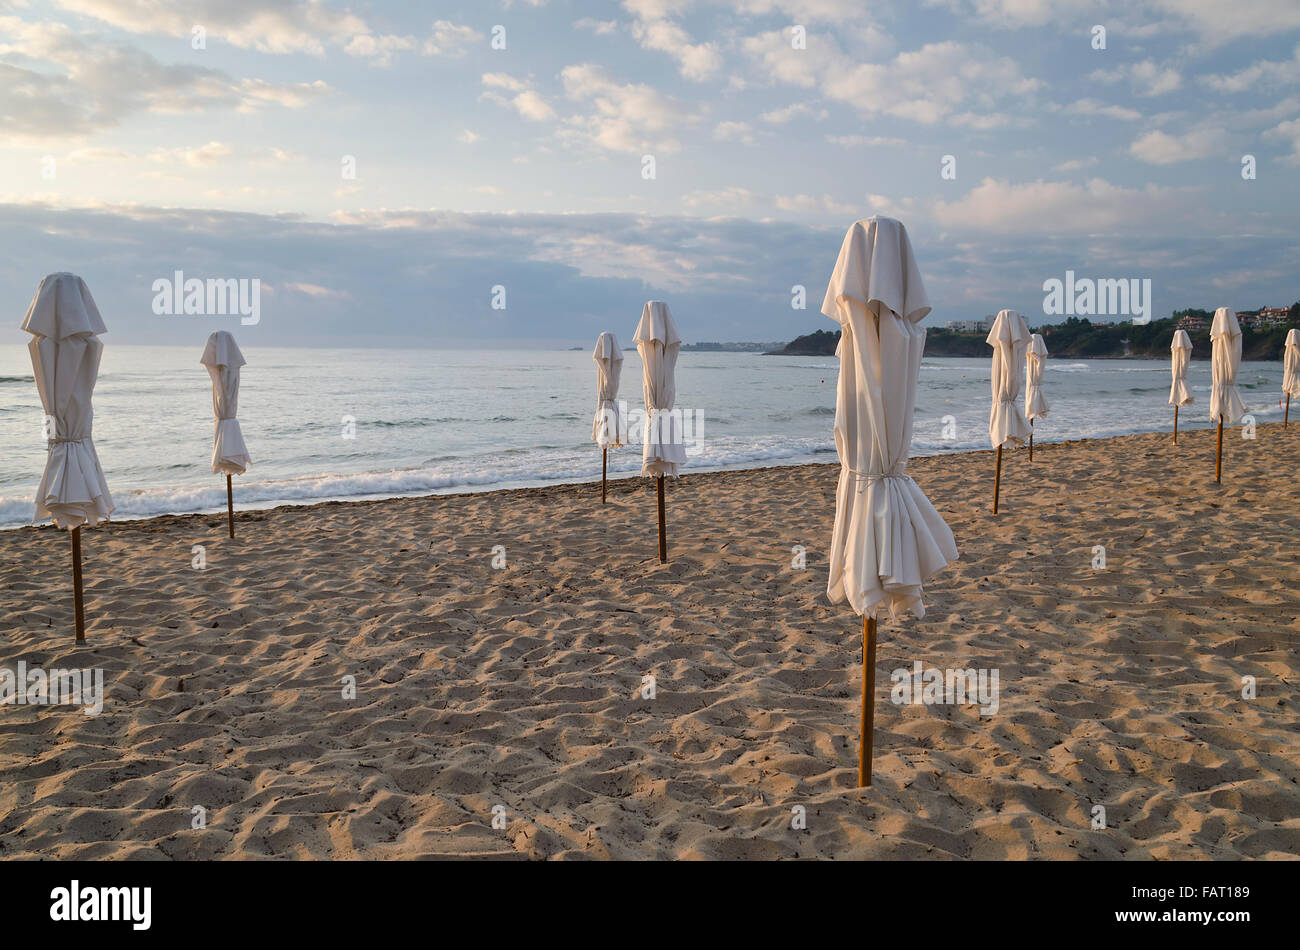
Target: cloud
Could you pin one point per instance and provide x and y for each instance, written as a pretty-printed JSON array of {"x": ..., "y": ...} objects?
[
  {"x": 381, "y": 50},
  {"x": 1062, "y": 208},
  {"x": 565, "y": 273},
  {"x": 1288, "y": 133},
  {"x": 277, "y": 156},
  {"x": 525, "y": 100},
  {"x": 939, "y": 82},
  {"x": 420, "y": 277},
  {"x": 1145, "y": 77},
  {"x": 96, "y": 155},
  {"x": 787, "y": 113},
  {"x": 200, "y": 157},
  {"x": 1093, "y": 107},
  {"x": 1161, "y": 148},
  {"x": 277, "y": 26},
  {"x": 777, "y": 60},
  {"x": 932, "y": 83},
  {"x": 468, "y": 137},
  {"x": 864, "y": 141},
  {"x": 1218, "y": 22},
  {"x": 736, "y": 197},
  {"x": 599, "y": 27},
  {"x": 1262, "y": 73},
  {"x": 314, "y": 290},
  {"x": 58, "y": 84},
  {"x": 626, "y": 117},
  {"x": 817, "y": 204},
  {"x": 1013, "y": 14},
  {"x": 1075, "y": 164},
  {"x": 695, "y": 61},
  {"x": 838, "y": 13},
  {"x": 734, "y": 132},
  {"x": 448, "y": 39},
  {"x": 732, "y": 197}
]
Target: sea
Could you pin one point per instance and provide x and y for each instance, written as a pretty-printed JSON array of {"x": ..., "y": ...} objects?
[{"x": 339, "y": 424}]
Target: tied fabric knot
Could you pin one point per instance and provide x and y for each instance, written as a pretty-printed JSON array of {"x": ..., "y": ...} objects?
[
  {"x": 870, "y": 477},
  {"x": 665, "y": 427},
  {"x": 54, "y": 442}
]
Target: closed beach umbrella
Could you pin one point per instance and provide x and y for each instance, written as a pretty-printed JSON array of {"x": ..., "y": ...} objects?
[
  {"x": 65, "y": 350},
  {"x": 1225, "y": 358},
  {"x": 608, "y": 428},
  {"x": 1290, "y": 370},
  {"x": 229, "y": 454},
  {"x": 663, "y": 450},
  {"x": 1035, "y": 404},
  {"x": 888, "y": 539},
  {"x": 1009, "y": 338},
  {"x": 1180, "y": 354}
]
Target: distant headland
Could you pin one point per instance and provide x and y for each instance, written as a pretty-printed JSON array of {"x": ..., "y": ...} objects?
[{"x": 1263, "y": 333}]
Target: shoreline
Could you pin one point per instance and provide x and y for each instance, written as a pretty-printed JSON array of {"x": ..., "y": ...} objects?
[{"x": 466, "y": 491}]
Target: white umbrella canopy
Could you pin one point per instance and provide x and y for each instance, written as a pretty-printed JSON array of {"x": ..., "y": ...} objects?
[
  {"x": 222, "y": 358},
  {"x": 1291, "y": 363},
  {"x": 888, "y": 539},
  {"x": 1180, "y": 350},
  {"x": 65, "y": 351},
  {"x": 657, "y": 341},
  {"x": 1225, "y": 359},
  {"x": 1009, "y": 338},
  {"x": 609, "y": 428},
  {"x": 1035, "y": 364}
]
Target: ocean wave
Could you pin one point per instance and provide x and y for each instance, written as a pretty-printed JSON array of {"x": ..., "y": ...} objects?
[{"x": 510, "y": 468}]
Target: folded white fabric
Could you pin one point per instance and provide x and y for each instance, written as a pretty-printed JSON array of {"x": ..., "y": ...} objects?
[
  {"x": 1009, "y": 338},
  {"x": 1225, "y": 359},
  {"x": 663, "y": 449},
  {"x": 887, "y": 539},
  {"x": 608, "y": 428},
  {"x": 222, "y": 358},
  {"x": 1035, "y": 365},
  {"x": 1291, "y": 363},
  {"x": 1180, "y": 350},
  {"x": 65, "y": 351}
]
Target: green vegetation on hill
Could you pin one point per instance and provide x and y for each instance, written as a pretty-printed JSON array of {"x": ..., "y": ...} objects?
[
  {"x": 1078, "y": 338},
  {"x": 817, "y": 343}
]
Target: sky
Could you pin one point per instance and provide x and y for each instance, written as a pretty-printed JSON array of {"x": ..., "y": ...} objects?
[{"x": 389, "y": 171}]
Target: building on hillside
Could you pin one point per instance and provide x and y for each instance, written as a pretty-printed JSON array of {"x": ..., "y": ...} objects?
[
  {"x": 1192, "y": 323},
  {"x": 968, "y": 326},
  {"x": 1273, "y": 317}
]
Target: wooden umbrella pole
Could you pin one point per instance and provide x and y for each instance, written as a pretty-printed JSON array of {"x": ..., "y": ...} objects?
[
  {"x": 1031, "y": 440},
  {"x": 1287, "y": 415},
  {"x": 663, "y": 538},
  {"x": 997, "y": 481},
  {"x": 868, "y": 700},
  {"x": 1218, "y": 455},
  {"x": 77, "y": 600},
  {"x": 1175, "y": 425},
  {"x": 604, "y": 461},
  {"x": 230, "y": 505}
]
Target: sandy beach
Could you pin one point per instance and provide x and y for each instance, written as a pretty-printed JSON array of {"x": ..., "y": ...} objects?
[{"x": 522, "y": 687}]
